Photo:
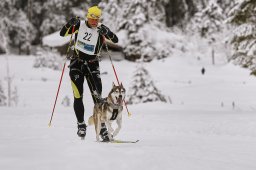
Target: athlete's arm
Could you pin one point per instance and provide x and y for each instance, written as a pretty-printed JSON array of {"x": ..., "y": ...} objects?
[
  {"x": 104, "y": 30},
  {"x": 67, "y": 29}
]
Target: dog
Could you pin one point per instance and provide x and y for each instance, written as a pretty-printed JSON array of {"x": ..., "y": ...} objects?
[{"x": 108, "y": 111}]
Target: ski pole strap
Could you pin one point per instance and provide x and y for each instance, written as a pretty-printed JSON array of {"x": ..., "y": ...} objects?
[{"x": 69, "y": 46}]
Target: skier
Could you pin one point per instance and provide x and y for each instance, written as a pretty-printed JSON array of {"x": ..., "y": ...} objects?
[
  {"x": 89, "y": 39},
  {"x": 203, "y": 71}
]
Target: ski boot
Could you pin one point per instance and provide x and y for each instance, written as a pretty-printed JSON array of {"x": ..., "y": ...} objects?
[
  {"x": 104, "y": 133},
  {"x": 81, "y": 129}
]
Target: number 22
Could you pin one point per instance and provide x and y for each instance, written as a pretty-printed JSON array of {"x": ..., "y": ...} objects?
[{"x": 87, "y": 36}]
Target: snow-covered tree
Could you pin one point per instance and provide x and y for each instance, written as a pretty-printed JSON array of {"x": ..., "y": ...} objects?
[
  {"x": 138, "y": 20},
  {"x": 226, "y": 5},
  {"x": 208, "y": 27},
  {"x": 16, "y": 26},
  {"x": 48, "y": 59},
  {"x": 3, "y": 98},
  {"x": 66, "y": 101},
  {"x": 53, "y": 14},
  {"x": 209, "y": 20},
  {"x": 112, "y": 10},
  {"x": 14, "y": 96},
  {"x": 5, "y": 6},
  {"x": 3, "y": 42},
  {"x": 30, "y": 20},
  {"x": 243, "y": 17},
  {"x": 143, "y": 89}
]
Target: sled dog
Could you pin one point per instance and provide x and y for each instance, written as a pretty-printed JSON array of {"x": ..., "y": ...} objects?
[{"x": 108, "y": 111}]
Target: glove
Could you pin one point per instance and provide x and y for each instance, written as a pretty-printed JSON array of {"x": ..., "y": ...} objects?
[
  {"x": 73, "y": 21},
  {"x": 103, "y": 30}
]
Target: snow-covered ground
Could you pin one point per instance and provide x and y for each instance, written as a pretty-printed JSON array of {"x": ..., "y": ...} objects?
[{"x": 200, "y": 130}]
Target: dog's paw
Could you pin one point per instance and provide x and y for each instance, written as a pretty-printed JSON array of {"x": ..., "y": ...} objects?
[{"x": 111, "y": 137}]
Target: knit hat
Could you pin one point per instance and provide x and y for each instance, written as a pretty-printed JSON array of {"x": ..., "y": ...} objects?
[{"x": 94, "y": 12}]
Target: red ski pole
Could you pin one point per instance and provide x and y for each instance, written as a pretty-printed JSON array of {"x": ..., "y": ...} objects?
[
  {"x": 129, "y": 114},
  {"x": 62, "y": 73}
]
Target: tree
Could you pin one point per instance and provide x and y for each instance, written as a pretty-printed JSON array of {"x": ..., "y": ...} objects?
[
  {"x": 66, "y": 101},
  {"x": 179, "y": 12},
  {"x": 2, "y": 96},
  {"x": 3, "y": 42},
  {"x": 209, "y": 20},
  {"x": 48, "y": 59},
  {"x": 208, "y": 26},
  {"x": 16, "y": 26},
  {"x": 136, "y": 20},
  {"x": 111, "y": 12},
  {"x": 53, "y": 15},
  {"x": 14, "y": 97},
  {"x": 29, "y": 20},
  {"x": 143, "y": 88},
  {"x": 243, "y": 41}
]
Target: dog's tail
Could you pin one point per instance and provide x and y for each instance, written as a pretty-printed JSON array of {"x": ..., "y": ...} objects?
[{"x": 90, "y": 121}]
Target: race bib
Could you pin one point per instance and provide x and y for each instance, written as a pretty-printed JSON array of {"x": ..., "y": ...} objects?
[{"x": 86, "y": 39}]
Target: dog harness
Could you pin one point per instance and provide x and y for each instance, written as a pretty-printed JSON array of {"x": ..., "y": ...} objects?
[
  {"x": 115, "y": 108},
  {"x": 114, "y": 114}
]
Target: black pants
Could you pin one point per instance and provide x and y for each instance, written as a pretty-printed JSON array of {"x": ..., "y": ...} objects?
[{"x": 80, "y": 69}]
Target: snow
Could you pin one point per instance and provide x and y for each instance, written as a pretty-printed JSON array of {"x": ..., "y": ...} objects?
[
  {"x": 200, "y": 130},
  {"x": 55, "y": 40}
]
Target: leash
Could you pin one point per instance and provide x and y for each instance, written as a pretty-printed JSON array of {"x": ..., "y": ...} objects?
[
  {"x": 97, "y": 95},
  {"x": 129, "y": 114}
]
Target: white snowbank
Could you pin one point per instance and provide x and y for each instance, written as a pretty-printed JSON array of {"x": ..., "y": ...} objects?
[{"x": 55, "y": 40}]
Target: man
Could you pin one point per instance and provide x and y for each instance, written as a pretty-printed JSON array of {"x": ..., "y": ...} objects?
[{"x": 89, "y": 39}]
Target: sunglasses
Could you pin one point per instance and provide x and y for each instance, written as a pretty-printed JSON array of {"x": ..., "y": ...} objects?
[{"x": 94, "y": 16}]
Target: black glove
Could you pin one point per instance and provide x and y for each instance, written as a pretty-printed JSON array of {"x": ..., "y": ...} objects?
[
  {"x": 103, "y": 30},
  {"x": 73, "y": 21}
]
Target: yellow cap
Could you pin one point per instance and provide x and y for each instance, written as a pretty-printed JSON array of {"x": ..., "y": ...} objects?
[{"x": 94, "y": 12}]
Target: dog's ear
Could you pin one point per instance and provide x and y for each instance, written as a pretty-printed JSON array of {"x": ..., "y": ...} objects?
[
  {"x": 121, "y": 84},
  {"x": 113, "y": 85}
]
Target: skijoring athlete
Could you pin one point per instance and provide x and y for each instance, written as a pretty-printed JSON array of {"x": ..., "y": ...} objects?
[{"x": 84, "y": 64}]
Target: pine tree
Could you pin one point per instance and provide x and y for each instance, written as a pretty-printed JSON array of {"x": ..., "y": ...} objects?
[
  {"x": 53, "y": 14},
  {"x": 226, "y": 6},
  {"x": 16, "y": 26},
  {"x": 14, "y": 97},
  {"x": 48, "y": 59},
  {"x": 209, "y": 20},
  {"x": 143, "y": 88},
  {"x": 3, "y": 42},
  {"x": 111, "y": 12},
  {"x": 138, "y": 19},
  {"x": 2, "y": 96},
  {"x": 66, "y": 101},
  {"x": 243, "y": 17}
]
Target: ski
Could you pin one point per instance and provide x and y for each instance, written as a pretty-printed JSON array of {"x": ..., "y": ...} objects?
[
  {"x": 120, "y": 141},
  {"x": 124, "y": 141}
]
